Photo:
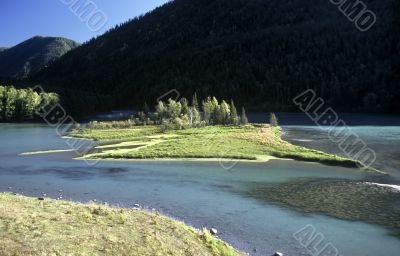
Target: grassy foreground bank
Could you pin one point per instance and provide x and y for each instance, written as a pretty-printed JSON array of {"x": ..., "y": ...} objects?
[
  {"x": 250, "y": 142},
  {"x": 32, "y": 227}
]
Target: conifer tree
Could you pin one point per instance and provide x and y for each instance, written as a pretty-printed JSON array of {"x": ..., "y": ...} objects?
[
  {"x": 207, "y": 110},
  {"x": 195, "y": 102},
  {"x": 160, "y": 111},
  {"x": 234, "y": 118},
  {"x": 225, "y": 113},
  {"x": 273, "y": 120},
  {"x": 185, "y": 106},
  {"x": 243, "y": 119}
]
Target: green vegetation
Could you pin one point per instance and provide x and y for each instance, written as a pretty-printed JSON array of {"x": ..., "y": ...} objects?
[
  {"x": 32, "y": 227},
  {"x": 21, "y": 104},
  {"x": 273, "y": 121},
  {"x": 247, "y": 142},
  {"x": 341, "y": 199},
  {"x": 178, "y": 130},
  {"x": 33, "y": 55},
  {"x": 259, "y": 53},
  {"x": 175, "y": 115}
]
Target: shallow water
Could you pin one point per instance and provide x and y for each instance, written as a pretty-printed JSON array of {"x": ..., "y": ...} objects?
[
  {"x": 200, "y": 193},
  {"x": 384, "y": 140}
]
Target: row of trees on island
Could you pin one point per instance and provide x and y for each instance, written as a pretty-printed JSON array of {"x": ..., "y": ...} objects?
[
  {"x": 182, "y": 114},
  {"x": 21, "y": 104}
]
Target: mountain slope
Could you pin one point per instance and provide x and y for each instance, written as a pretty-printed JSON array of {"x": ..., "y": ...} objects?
[
  {"x": 32, "y": 55},
  {"x": 261, "y": 53},
  {"x": 3, "y": 48}
]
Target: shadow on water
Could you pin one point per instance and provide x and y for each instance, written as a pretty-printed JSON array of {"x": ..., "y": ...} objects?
[
  {"x": 339, "y": 198},
  {"x": 69, "y": 173}
]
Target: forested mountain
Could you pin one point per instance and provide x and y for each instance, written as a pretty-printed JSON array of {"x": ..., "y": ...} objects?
[
  {"x": 33, "y": 55},
  {"x": 3, "y": 48},
  {"x": 260, "y": 53}
]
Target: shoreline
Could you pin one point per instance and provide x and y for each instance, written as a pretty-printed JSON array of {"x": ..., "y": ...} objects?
[
  {"x": 107, "y": 218},
  {"x": 264, "y": 159},
  {"x": 340, "y": 162}
]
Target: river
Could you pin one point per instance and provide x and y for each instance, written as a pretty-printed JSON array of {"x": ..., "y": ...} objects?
[{"x": 201, "y": 193}]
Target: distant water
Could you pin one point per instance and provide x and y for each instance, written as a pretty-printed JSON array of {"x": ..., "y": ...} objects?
[
  {"x": 380, "y": 132},
  {"x": 301, "y": 119}
]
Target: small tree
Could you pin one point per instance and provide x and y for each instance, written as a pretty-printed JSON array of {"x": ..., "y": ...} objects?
[
  {"x": 195, "y": 102},
  {"x": 273, "y": 120},
  {"x": 194, "y": 117},
  {"x": 207, "y": 110},
  {"x": 216, "y": 115},
  {"x": 234, "y": 118},
  {"x": 185, "y": 106},
  {"x": 160, "y": 111},
  {"x": 225, "y": 112},
  {"x": 174, "y": 109},
  {"x": 243, "y": 119}
]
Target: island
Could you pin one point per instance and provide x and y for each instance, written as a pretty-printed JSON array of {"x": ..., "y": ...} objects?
[{"x": 180, "y": 131}]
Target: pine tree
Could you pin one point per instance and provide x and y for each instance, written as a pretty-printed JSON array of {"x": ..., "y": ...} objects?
[
  {"x": 207, "y": 110},
  {"x": 194, "y": 117},
  {"x": 195, "y": 102},
  {"x": 174, "y": 109},
  {"x": 225, "y": 113},
  {"x": 234, "y": 118},
  {"x": 185, "y": 106},
  {"x": 160, "y": 111},
  {"x": 216, "y": 116},
  {"x": 273, "y": 120},
  {"x": 243, "y": 119}
]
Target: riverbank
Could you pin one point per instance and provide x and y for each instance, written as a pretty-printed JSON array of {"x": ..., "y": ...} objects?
[
  {"x": 249, "y": 143},
  {"x": 29, "y": 225}
]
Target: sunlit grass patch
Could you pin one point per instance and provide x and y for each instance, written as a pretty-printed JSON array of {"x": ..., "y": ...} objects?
[
  {"x": 32, "y": 227},
  {"x": 248, "y": 142}
]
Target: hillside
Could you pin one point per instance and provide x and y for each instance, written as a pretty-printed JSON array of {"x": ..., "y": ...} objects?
[
  {"x": 260, "y": 53},
  {"x": 33, "y": 55},
  {"x": 3, "y": 48}
]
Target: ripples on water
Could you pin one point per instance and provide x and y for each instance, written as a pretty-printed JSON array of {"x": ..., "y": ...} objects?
[{"x": 202, "y": 194}]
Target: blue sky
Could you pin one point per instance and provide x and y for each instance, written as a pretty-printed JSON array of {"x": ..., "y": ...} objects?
[{"x": 23, "y": 19}]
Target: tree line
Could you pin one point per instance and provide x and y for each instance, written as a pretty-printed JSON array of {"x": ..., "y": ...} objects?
[
  {"x": 22, "y": 104},
  {"x": 182, "y": 114}
]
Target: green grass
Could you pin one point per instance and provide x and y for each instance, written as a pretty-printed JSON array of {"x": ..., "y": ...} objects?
[
  {"x": 32, "y": 227},
  {"x": 251, "y": 142}
]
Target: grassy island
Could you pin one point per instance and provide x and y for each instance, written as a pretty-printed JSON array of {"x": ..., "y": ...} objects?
[
  {"x": 247, "y": 142},
  {"x": 32, "y": 227},
  {"x": 179, "y": 130}
]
